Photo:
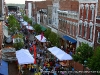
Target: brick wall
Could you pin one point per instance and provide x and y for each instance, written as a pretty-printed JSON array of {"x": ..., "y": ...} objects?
[
  {"x": 98, "y": 8},
  {"x": 96, "y": 35}
]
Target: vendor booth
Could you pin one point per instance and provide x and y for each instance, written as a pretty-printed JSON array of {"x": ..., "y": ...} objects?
[
  {"x": 63, "y": 57},
  {"x": 24, "y": 23},
  {"x": 41, "y": 38},
  {"x": 30, "y": 28},
  {"x": 24, "y": 57},
  {"x": 60, "y": 54}
]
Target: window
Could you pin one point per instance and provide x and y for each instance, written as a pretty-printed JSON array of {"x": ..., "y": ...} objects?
[
  {"x": 91, "y": 27},
  {"x": 99, "y": 37},
  {"x": 82, "y": 8},
  {"x": 87, "y": 7},
  {"x": 85, "y": 29},
  {"x": 50, "y": 21},
  {"x": 92, "y": 9},
  {"x": 80, "y": 27},
  {"x": 90, "y": 32}
]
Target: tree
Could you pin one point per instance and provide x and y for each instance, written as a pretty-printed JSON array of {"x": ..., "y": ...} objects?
[
  {"x": 54, "y": 39},
  {"x": 94, "y": 62},
  {"x": 25, "y": 18},
  {"x": 14, "y": 26},
  {"x": 37, "y": 28},
  {"x": 47, "y": 33},
  {"x": 83, "y": 52}
]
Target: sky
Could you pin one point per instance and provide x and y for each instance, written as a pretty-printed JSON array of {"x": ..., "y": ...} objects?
[{"x": 19, "y": 1}]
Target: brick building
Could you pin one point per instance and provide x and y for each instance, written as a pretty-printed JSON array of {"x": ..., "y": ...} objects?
[
  {"x": 68, "y": 23},
  {"x": 97, "y": 28},
  {"x": 28, "y": 8},
  {"x": 87, "y": 20},
  {"x": 40, "y": 11}
]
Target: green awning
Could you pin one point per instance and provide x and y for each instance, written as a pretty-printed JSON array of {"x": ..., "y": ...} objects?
[{"x": 43, "y": 28}]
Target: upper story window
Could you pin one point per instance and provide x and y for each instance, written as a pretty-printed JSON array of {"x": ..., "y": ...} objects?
[
  {"x": 71, "y": 27},
  {"x": 98, "y": 40},
  {"x": 80, "y": 27},
  {"x": 92, "y": 9},
  {"x": 82, "y": 8},
  {"x": 91, "y": 30},
  {"x": 85, "y": 29},
  {"x": 87, "y": 8}
]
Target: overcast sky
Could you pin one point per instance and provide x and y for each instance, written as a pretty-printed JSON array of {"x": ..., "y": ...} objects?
[{"x": 19, "y": 1}]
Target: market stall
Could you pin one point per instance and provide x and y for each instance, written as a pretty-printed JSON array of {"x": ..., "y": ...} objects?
[
  {"x": 24, "y": 57},
  {"x": 41, "y": 38},
  {"x": 30, "y": 28},
  {"x": 63, "y": 57}
]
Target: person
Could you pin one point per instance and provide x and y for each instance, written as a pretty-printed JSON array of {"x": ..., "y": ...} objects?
[{"x": 71, "y": 53}]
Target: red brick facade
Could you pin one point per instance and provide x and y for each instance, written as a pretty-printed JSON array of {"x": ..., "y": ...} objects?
[{"x": 68, "y": 25}]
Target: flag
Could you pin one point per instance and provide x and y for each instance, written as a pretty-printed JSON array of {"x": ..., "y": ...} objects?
[
  {"x": 34, "y": 47},
  {"x": 42, "y": 34}
]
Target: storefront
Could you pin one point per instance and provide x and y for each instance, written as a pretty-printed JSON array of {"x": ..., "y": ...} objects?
[{"x": 71, "y": 44}]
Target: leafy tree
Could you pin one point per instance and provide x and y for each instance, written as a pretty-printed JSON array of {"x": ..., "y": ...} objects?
[
  {"x": 18, "y": 44},
  {"x": 83, "y": 52},
  {"x": 30, "y": 21},
  {"x": 47, "y": 33},
  {"x": 25, "y": 18},
  {"x": 14, "y": 26},
  {"x": 37, "y": 28},
  {"x": 54, "y": 39},
  {"x": 94, "y": 62}
]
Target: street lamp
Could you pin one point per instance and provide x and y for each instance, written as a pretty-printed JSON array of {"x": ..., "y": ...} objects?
[{"x": 84, "y": 65}]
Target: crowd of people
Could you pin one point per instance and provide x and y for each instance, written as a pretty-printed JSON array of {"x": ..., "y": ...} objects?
[{"x": 45, "y": 65}]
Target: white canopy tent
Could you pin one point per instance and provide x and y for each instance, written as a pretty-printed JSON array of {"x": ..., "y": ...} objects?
[
  {"x": 24, "y": 57},
  {"x": 61, "y": 55},
  {"x": 24, "y": 23},
  {"x": 30, "y": 27},
  {"x": 39, "y": 38}
]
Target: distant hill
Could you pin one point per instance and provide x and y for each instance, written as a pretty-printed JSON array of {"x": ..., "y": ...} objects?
[{"x": 20, "y": 5}]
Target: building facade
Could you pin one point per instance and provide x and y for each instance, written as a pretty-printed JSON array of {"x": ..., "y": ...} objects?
[
  {"x": 68, "y": 24},
  {"x": 87, "y": 21},
  {"x": 28, "y": 8}
]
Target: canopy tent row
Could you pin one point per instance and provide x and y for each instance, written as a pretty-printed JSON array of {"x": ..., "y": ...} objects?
[
  {"x": 60, "y": 54},
  {"x": 24, "y": 57},
  {"x": 39, "y": 38}
]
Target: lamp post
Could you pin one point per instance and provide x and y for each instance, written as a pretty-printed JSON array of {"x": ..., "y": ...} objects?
[{"x": 84, "y": 65}]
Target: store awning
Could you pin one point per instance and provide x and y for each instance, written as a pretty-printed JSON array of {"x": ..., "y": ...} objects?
[
  {"x": 70, "y": 39},
  {"x": 43, "y": 28}
]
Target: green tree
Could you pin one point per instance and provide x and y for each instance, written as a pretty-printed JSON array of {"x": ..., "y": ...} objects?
[
  {"x": 19, "y": 43},
  {"x": 14, "y": 26},
  {"x": 47, "y": 32},
  {"x": 54, "y": 39},
  {"x": 83, "y": 52},
  {"x": 25, "y": 18},
  {"x": 37, "y": 28},
  {"x": 30, "y": 21},
  {"x": 94, "y": 62}
]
